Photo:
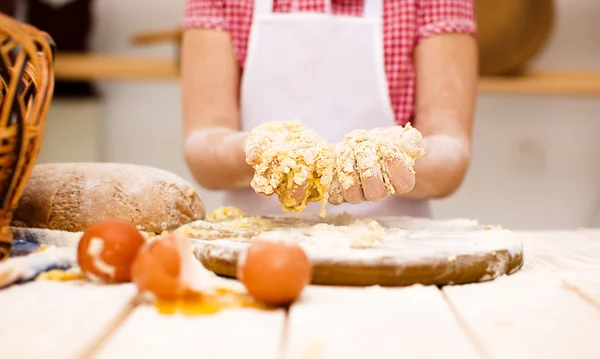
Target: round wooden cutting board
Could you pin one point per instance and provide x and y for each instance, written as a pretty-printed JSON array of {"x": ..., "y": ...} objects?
[
  {"x": 412, "y": 251},
  {"x": 511, "y": 33}
]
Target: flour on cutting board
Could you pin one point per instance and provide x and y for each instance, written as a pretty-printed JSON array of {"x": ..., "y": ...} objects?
[
  {"x": 385, "y": 241},
  {"x": 358, "y": 234},
  {"x": 396, "y": 244}
]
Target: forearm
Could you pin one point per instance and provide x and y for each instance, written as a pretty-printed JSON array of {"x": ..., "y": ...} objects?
[
  {"x": 213, "y": 144},
  {"x": 216, "y": 159},
  {"x": 442, "y": 169},
  {"x": 445, "y": 102}
]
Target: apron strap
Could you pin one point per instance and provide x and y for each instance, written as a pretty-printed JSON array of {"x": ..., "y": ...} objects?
[
  {"x": 262, "y": 7},
  {"x": 328, "y": 7},
  {"x": 373, "y": 9}
]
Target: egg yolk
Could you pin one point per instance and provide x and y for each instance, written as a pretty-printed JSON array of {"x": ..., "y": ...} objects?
[
  {"x": 207, "y": 303},
  {"x": 166, "y": 268}
]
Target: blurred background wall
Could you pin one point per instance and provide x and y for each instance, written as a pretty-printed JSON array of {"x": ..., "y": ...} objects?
[{"x": 536, "y": 158}]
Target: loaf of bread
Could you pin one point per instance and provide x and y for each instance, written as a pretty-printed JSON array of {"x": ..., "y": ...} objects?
[{"x": 71, "y": 196}]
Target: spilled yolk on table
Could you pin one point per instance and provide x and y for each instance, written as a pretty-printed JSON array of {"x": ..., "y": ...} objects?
[{"x": 207, "y": 303}]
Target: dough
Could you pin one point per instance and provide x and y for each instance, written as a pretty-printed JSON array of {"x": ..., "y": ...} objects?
[
  {"x": 71, "y": 196},
  {"x": 286, "y": 153}
]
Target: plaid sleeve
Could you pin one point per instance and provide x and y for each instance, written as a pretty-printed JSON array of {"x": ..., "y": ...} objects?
[
  {"x": 205, "y": 14},
  {"x": 436, "y": 17}
]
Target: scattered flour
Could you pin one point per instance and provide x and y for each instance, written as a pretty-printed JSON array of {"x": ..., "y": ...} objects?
[
  {"x": 398, "y": 242},
  {"x": 358, "y": 234}
]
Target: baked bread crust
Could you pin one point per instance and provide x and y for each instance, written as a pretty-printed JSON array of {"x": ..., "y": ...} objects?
[{"x": 71, "y": 196}]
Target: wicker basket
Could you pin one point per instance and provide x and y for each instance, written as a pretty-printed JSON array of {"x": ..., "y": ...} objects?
[{"x": 26, "y": 88}]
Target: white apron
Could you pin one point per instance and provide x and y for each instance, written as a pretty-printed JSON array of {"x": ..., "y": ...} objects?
[{"x": 326, "y": 71}]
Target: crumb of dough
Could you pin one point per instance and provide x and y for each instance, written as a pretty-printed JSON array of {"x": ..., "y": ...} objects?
[
  {"x": 42, "y": 248},
  {"x": 407, "y": 139},
  {"x": 286, "y": 153},
  {"x": 61, "y": 275},
  {"x": 225, "y": 213},
  {"x": 361, "y": 233},
  {"x": 190, "y": 192},
  {"x": 367, "y": 234}
]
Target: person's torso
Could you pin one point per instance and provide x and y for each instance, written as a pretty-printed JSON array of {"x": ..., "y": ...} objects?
[
  {"x": 331, "y": 77},
  {"x": 399, "y": 37}
]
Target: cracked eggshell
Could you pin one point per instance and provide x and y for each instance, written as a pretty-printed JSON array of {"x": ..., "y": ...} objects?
[
  {"x": 157, "y": 267},
  {"x": 106, "y": 251},
  {"x": 167, "y": 268}
]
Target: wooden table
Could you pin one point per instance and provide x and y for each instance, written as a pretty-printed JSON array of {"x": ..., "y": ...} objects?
[{"x": 550, "y": 309}]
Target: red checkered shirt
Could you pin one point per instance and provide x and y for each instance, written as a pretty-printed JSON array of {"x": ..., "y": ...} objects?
[{"x": 405, "y": 23}]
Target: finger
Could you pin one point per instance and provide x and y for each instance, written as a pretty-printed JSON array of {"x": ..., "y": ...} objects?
[
  {"x": 412, "y": 141},
  {"x": 353, "y": 194},
  {"x": 295, "y": 191},
  {"x": 401, "y": 176},
  {"x": 266, "y": 183},
  {"x": 336, "y": 196},
  {"x": 374, "y": 188},
  {"x": 253, "y": 155},
  {"x": 253, "y": 149},
  {"x": 298, "y": 194},
  {"x": 347, "y": 175},
  {"x": 367, "y": 163},
  {"x": 260, "y": 184}
]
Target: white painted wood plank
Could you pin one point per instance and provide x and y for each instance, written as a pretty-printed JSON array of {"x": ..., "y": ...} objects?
[
  {"x": 587, "y": 286},
  {"x": 57, "y": 319},
  {"x": 231, "y": 333},
  {"x": 531, "y": 315},
  {"x": 593, "y": 233},
  {"x": 561, "y": 251},
  {"x": 348, "y": 323},
  {"x": 572, "y": 256}
]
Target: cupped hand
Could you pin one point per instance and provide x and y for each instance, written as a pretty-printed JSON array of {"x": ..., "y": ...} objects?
[
  {"x": 287, "y": 158},
  {"x": 369, "y": 169},
  {"x": 290, "y": 161},
  {"x": 291, "y": 188}
]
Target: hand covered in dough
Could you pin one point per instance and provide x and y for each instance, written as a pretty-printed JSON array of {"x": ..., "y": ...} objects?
[
  {"x": 371, "y": 165},
  {"x": 291, "y": 161}
]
